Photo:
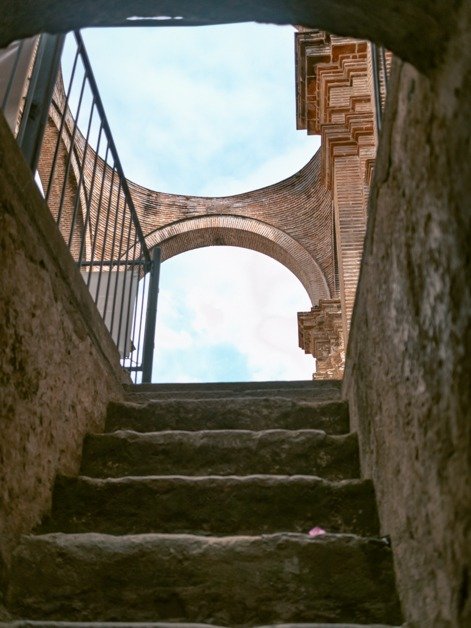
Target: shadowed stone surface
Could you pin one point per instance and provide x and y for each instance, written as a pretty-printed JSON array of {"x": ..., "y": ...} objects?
[
  {"x": 296, "y": 389},
  {"x": 239, "y": 581},
  {"x": 212, "y": 505},
  {"x": 66, "y": 624},
  {"x": 416, "y": 30},
  {"x": 228, "y": 413},
  {"x": 60, "y": 624},
  {"x": 228, "y": 452},
  {"x": 408, "y": 370}
]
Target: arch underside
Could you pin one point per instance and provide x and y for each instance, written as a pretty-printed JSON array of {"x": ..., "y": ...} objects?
[
  {"x": 246, "y": 233},
  {"x": 417, "y": 31}
]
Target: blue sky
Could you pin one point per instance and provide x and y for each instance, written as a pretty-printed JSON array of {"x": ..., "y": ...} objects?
[{"x": 211, "y": 111}]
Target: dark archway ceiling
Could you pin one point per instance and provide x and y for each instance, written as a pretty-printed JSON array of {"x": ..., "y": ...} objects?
[{"x": 416, "y": 30}]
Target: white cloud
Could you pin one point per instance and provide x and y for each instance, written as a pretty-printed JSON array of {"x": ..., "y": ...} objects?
[
  {"x": 235, "y": 299},
  {"x": 193, "y": 106}
]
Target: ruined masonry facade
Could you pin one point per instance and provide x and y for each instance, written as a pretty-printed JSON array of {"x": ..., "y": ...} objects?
[
  {"x": 335, "y": 99},
  {"x": 312, "y": 222}
]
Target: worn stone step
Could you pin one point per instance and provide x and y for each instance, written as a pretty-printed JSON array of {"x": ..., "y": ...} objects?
[
  {"x": 302, "y": 389},
  {"x": 22, "y": 623},
  {"x": 233, "y": 581},
  {"x": 212, "y": 505},
  {"x": 67, "y": 624},
  {"x": 228, "y": 413},
  {"x": 221, "y": 452}
]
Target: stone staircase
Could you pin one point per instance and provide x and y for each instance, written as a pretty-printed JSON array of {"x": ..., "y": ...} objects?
[{"x": 195, "y": 506}]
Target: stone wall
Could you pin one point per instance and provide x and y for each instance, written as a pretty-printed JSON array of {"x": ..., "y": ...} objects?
[
  {"x": 415, "y": 30},
  {"x": 58, "y": 365},
  {"x": 408, "y": 375}
]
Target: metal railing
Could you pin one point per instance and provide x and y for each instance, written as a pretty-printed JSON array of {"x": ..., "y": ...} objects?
[
  {"x": 66, "y": 138},
  {"x": 380, "y": 82}
]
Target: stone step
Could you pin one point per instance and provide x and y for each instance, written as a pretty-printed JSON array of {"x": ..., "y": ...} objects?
[
  {"x": 301, "y": 389},
  {"x": 221, "y": 452},
  {"x": 212, "y": 505},
  {"x": 22, "y": 623},
  {"x": 68, "y": 624},
  {"x": 228, "y": 413},
  {"x": 230, "y": 581}
]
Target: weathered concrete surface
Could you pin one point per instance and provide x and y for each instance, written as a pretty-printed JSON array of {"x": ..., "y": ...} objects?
[
  {"x": 221, "y": 452},
  {"x": 229, "y": 413},
  {"x": 66, "y": 624},
  {"x": 238, "y": 581},
  {"x": 307, "y": 390},
  {"x": 409, "y": 368},
  {"x": 58, "y": 365},
  {"x": 416, "y": 30},
  {"x": 60, "y": 624},
  {"x": 251, "y": 504}
]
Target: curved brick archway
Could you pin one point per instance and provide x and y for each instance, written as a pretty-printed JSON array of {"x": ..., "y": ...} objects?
[
  {"x": 290, "y": 221},
  {"x": 187, "y": 235}
]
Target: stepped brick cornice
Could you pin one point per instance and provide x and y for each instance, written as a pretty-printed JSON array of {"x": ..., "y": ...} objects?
[
  {"x": 335, "y": 99},
  {"x": 321, "y": 335}
]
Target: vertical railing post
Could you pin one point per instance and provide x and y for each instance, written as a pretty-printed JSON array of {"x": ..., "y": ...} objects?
[
  {"x": 151, "y": 317},
  {"x": 43, "y": 80},
  {"x": 376, "y": 87}
]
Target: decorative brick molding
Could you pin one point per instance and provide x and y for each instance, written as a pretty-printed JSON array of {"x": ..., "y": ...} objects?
[
  {"x": 335, "y": 99},
  {"x": 321, "y": 335}
]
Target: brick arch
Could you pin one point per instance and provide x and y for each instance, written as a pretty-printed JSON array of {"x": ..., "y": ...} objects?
[{"x": 229, "y": 230}]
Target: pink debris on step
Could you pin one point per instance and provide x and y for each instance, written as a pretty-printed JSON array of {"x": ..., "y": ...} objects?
[{"x": 316, "y": 531}]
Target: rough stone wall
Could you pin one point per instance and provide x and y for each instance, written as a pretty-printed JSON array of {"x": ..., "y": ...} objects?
[
  {"x": 58, "y": 365},
  {"x": 408, "y": 376},
  {"x": 415, "y": 30}
]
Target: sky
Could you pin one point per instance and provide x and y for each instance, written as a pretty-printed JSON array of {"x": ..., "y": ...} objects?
[{"x": 210, "y": 111}]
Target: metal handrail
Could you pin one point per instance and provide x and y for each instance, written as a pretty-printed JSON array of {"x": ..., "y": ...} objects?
[
  {"x": 380, "y": 81},
  {"x": 106, "y": 127},
  {"x": 89, "y": 196}
]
